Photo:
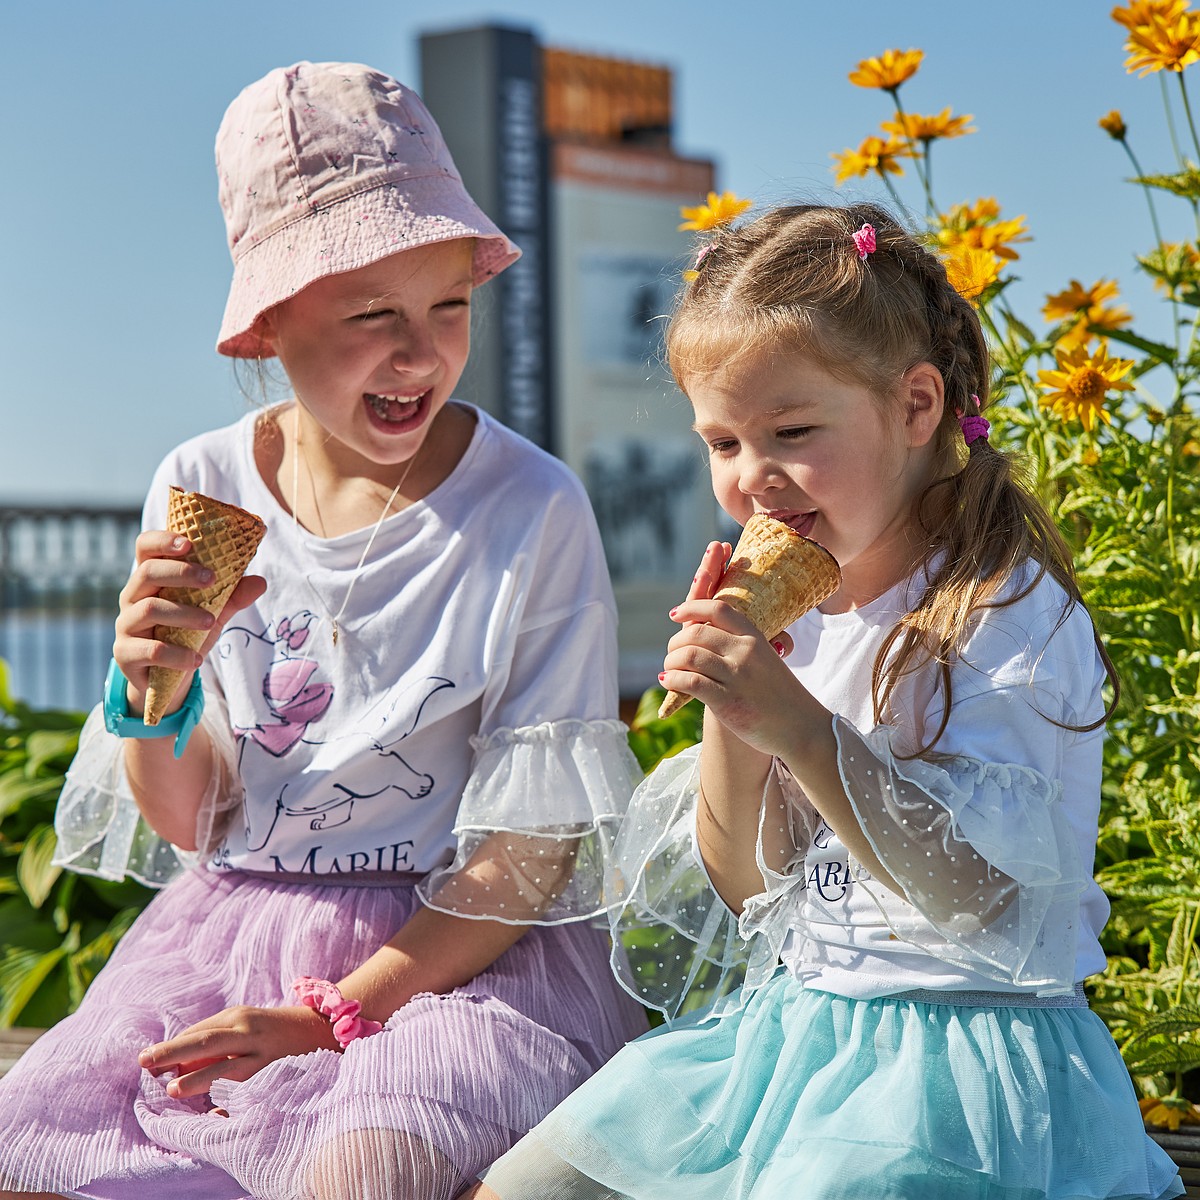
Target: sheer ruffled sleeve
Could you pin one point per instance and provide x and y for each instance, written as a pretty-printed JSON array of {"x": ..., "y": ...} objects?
[
  {"x": 536, "y": 824},
  {"x": 983, "y": 851},
  {"x": 552, "y": 771},
  {"x": 99, "y": 827},
  {"x": 991, "y": 859},
  {"x": 677, "y": 946}
]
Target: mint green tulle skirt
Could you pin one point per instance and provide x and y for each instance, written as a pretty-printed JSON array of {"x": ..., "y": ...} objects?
[{"x": 811, "y": 1096}]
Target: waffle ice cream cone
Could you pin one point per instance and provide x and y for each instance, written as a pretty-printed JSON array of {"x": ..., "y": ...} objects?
[
  {"x": 224, "y": 539},
  {"x": 774, "y": 577}
]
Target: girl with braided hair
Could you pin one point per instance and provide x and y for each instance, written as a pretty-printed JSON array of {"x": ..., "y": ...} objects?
[{"x": 883, "y": 847}]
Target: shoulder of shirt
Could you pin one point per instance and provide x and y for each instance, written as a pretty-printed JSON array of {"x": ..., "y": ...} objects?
[
  {"x": 510, "y": 463},
  {"x": 221, "y": 451},
  {"x": 1038, "y": 613}
]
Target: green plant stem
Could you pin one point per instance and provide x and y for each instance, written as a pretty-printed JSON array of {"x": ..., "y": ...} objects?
[
  {"x": 918, "y": 158},
  {"x": 1015, "y": 362},
  {"x": 1170, "y": 122},
  {"x": 895, "y": 195},
  {"x": 1187, "y": 108},
  {"x": 1158, "y": 237}
]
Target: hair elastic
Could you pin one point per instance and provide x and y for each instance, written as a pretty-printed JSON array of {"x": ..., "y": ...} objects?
[
  {"x": 973, "y": 427},
  {"x": 864, "y": 240},
  {"x": 326, "y": 998}
]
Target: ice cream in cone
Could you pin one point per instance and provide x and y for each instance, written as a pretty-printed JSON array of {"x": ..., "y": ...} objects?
[
  {"x": 224, "y": 539},
  {"x": 774, "y": 577}
]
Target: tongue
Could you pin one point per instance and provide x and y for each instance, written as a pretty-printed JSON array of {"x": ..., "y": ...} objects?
[{"x": 393, "y": 410}]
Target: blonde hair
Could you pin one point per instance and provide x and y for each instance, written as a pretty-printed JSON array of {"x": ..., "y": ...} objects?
[{"x": 793, "y": 279}]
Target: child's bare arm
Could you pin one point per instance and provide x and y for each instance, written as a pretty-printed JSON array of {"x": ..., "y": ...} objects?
[{"x": 168, "y": 790}]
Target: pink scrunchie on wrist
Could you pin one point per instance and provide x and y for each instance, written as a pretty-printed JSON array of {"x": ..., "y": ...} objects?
[{"x": 325, "y": 997}]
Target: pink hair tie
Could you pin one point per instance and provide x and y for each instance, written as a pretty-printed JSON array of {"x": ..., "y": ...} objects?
[
  {"x": 326, "y": 998},
  {"x": 974, "y": 428},
  {"x": 864, "y": 239}
]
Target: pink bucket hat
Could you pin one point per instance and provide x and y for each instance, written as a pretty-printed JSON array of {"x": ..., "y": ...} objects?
[{"x": 327, "y": 167}]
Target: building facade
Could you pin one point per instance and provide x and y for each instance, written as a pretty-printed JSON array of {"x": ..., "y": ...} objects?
[{"x": 572, "y": 155}]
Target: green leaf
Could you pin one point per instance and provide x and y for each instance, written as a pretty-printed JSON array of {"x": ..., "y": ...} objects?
[
  {"x": 35, "y": 872},
  {"x": 1184, "y": 183},
  {"x": 45, "y": 746},
  {"x": 1178, "y": 1056},
  {"x": 22, "y": 972},
  {"x": 1157, "y": 350},
  {"x": 1183, "y": 1018}
]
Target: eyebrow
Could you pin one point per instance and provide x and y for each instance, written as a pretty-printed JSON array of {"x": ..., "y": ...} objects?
[
  {"x": 365, "y": 301},
  {"x": 801, "y": 406}
]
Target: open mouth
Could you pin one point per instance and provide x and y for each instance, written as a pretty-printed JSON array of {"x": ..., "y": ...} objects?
[
  {"x": 801, "y": 522},
  {"x": 395, "y": 410}
]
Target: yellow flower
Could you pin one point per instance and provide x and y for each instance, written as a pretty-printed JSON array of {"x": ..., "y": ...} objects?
[
  {"x": 1190, "y": 448},
  {"x": 888, "y": 71},
  {"x": 1088, "y": 307},
  {"x": 1077, "y": 298},
  {"x": 1164, "y": 44},
  {"x": 1114, "y": 125},
  {"x": 720, "y": 210},
  {"x": 925, "y": 129},
  {"x": 873, "y": 155},
  {"x": 1089, "y": 457},
  {"x": 1081, "y": 382},
  {"x": 1140, "y": 12},
  {"x": 1155, "y": 416},
  {"x": 971, "y": 271},
  {"x": 1169, "y": 1112},
  {"x": 979, "y": 226}
]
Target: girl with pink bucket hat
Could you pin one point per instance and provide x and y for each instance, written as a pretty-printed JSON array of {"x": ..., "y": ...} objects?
[{"x": 381, "y": 805}]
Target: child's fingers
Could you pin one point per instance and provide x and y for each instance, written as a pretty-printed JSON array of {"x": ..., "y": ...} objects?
[
  {"x": 248, "y": 590},
  {"x": 150, "y": 577},
  {"x": 708, "y": 574},
  {"x": 199, "y": 1082},
  {"x": 712, "y": 612}
]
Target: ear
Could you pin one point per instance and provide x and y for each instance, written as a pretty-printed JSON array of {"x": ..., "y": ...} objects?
[
  {"x": 924, "y": 395},
  {"x": 264, "y": 328}
]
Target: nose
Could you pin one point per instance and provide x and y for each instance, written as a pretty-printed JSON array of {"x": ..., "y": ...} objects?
[
  {"x": 415, "y": 349},
  {"x": 758, "y": 473}
]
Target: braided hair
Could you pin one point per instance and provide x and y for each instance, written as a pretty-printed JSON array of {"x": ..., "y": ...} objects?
[{"x": 795, "y": 279}]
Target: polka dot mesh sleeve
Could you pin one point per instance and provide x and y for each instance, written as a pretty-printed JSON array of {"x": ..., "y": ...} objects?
[
  {"x": 99, "y": 827},
  {"x": 537, "y": 823},
  {"x": 677, "y": 947},
  {"x": 990, "y": 869}
]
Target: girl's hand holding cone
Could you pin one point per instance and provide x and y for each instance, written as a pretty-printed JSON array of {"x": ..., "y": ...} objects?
[
  {"x": 773, "y": 577},
  {"x": 161, "y": 630}
]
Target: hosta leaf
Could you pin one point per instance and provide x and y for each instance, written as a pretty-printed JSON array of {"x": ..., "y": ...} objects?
[
  {"x": 35, "y": 871},
  {"x": 21, "y": 974}
]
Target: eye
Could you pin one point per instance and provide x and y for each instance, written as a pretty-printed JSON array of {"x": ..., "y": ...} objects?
[
  {"x": 722, "y": 446},
  {"x": 794, "y": 432},
  {"x": 456, "y": 303},
  {"x": 374, "y": 314}
]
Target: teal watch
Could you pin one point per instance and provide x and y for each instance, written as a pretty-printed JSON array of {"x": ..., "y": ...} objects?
[{"x": 119, "y": 720}]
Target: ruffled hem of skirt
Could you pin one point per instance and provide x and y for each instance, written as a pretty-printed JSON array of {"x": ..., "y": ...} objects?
[{"x": 811, "y": 1095}]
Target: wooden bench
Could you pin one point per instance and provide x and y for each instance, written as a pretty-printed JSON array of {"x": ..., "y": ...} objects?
[{"x": 13, "y": 1043}]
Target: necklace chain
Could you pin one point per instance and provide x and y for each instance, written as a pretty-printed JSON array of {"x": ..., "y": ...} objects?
[{"x": 335, "y": 618}]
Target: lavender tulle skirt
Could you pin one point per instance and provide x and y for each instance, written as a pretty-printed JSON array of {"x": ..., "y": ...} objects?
[{"x": 415, "y": 1111}]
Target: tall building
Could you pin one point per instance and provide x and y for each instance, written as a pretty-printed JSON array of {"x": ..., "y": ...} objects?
[{"x": 572, "y": 155}]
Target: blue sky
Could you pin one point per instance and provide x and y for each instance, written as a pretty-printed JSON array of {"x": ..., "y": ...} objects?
[{"x": 115, "y": 265}]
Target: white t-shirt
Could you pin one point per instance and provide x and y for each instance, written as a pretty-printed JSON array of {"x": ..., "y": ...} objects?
[
  {"x": 483, "y": 608},
  {"x": 1019, "y": 668}
]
